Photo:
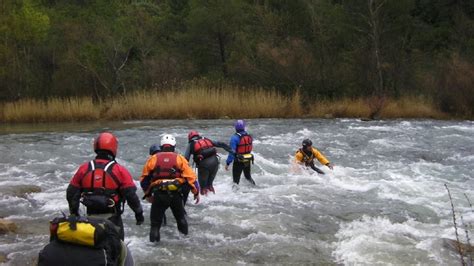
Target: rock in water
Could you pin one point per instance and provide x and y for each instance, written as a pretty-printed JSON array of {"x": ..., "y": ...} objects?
[
  {"x": 453, "y": 245},
  {"x": 7, "y": 226}
]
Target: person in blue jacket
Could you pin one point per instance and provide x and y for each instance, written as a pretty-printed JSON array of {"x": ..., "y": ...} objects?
[{"x": 241, "y": 144}]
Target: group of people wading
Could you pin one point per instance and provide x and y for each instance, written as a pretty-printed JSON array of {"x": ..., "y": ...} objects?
[{"x": 103, "y": 185}]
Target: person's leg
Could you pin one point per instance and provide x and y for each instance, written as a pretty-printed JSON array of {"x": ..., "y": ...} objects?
[
  {"x": 203, "y": 176},
  {"x": 247, "y": 174},
  {"x": 212, "y": 173},
  {"x": 177, "y": 208},
  {"x": 160, "y": 203},
  {"x": 237, "y": 171},
  {"x": 185, "y": 189},
  {"x": 116, "y": 219}
]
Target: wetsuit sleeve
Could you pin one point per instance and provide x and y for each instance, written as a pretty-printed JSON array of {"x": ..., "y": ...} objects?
[
  {"x": 299, "y": 157},
  {"x": 73, "y": 191},
  {"x": 73, "y": 196},
  {"x": 128, "y": 189},
  {"x": 234, "y": 141},
  {"x": 320, "y": 157},
  {"x": 187, "y": 172},
  {"x": 222, "y": 145},
  {"x": 187, "y": 154}
]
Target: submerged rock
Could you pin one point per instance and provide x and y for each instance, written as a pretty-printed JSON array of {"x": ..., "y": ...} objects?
[
  {"x": 20, "y": 190},
  {"x": 454, "y": 244},
  {"x": 7, "y": 226},
  {"x": 3, "y": 258}
]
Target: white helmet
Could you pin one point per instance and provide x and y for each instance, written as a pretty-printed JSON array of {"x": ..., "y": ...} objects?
[{"x": 168, "y": 140}]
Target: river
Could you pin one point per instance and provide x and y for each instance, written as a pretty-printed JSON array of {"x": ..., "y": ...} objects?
[{"x": 384, "y": 203}]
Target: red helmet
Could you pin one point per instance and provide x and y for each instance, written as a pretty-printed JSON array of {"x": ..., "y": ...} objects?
[
  {"x": 193, "y": 134},
  {"x": 106, "y": 141}
]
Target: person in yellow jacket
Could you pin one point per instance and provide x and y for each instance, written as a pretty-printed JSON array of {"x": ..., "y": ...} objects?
[
  {"x": 306, "y": 154},
  {"x": 163, "y": 176}
]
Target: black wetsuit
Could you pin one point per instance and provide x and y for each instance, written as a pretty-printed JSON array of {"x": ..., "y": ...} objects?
[
  {"x": 208, "y": 165},
  {"x": 162, "y": 201},
  {"x": 237, "y": 169}
]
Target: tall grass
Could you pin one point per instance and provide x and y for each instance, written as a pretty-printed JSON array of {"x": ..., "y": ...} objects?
[
  {"x": 52, "y": 110},
  {"x": 194, "y": 101}
]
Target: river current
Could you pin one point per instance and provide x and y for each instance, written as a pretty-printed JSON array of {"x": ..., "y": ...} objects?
[{"x": 385, "y": 202}]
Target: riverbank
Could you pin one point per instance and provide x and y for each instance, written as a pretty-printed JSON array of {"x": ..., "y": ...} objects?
[{"x": 205, "y": 103}]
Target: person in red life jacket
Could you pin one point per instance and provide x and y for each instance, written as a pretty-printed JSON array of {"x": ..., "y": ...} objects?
[
  {"x": 241, "y": 144},
  {"x": 205, "y": 157},
  {"x": 103, "y": 185},
  {"x": 163, "y": 176},
  {"x": 306, "y": 155},
  {"x": 185, "y": 189}
]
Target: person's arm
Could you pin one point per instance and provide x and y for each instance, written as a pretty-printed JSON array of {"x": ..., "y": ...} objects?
[
  {"x": 319, "y": 171},
  {"x": 187, "y": 154},
  {"x": 188, "y": 173},
  {"x": 322, "y": 159},
  {"x": 223, "y": 145},
  {"x": 74, "y": 190},
  {"x": 234, "y": 141},
  {"x": 145, "y": 178},
  {"x": 128, "y": 190}
]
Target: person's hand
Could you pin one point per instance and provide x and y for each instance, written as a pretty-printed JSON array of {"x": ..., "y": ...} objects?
[
  {"x": 149, "y": 199},
  {"x": 139, "y": 218},
  {"x": 227, "y": 167},
  {"x": 196, "y": 198},
  {"x": 330, "y": 166}
]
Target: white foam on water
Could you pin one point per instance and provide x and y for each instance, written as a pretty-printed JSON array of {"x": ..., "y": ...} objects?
[
  {"x": 375, "y": 128},
  {"x": 377, "y": 240},
  {"x": 469, "y": 129},
  {"x": 264, "y": 162},
  {"x": 277, "y": 215}
]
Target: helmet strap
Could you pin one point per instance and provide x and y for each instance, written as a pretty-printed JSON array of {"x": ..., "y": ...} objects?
[
  {"x": 105, "y": 155},
  {"x": 167, "y": 148}
]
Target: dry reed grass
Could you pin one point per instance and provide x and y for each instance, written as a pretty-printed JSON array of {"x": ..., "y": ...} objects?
[
  {"x": 52, "y": 110},
  {"x": 194, "y": 101},
  {"x": 407, "y": 107}
]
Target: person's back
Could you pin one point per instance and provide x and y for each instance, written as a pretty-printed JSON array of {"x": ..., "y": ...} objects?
[
  {"x": 242, "y": 144},
  {"x": 204, "y": 154},
  {"x": 163, "y": 176},
  {"x": 103, "y": 185}
]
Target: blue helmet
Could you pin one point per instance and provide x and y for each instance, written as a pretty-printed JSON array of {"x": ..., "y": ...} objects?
[
  {"x": 154, "y": 149},
  {"x": 239, "y": 125}
]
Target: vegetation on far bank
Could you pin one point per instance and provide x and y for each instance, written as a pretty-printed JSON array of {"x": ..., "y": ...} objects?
[
  {"x": 349, "y": 56},
  {"x": 213, "y": 103}
]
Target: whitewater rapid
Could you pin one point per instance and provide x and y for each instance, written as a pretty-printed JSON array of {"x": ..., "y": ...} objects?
[{"x": 384, "y": 202}]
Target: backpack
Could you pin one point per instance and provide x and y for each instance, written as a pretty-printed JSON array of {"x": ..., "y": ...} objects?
[{"x": 82, "y": 241}]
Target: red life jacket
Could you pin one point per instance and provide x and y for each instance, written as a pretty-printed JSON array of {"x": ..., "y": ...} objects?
[
  {"x": 203, "y": 148},
  {"x": 100, "y": 180},
  {"x": 245, "y": 144},
  {"x": 202, "y": 144},
  {"x": 166, "y": 166}
]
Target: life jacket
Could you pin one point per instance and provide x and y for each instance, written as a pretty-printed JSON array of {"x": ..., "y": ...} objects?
[
  {"x": 307, "y": 159},
  {"x": 166, "y": 174},
  {"x": 202, "y": 149},
  {"x": 100, "y": 187},
  {"x": 245, "y": 143}
]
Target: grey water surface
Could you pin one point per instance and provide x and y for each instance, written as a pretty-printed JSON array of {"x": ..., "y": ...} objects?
[{"x": 384, "y": 202}]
